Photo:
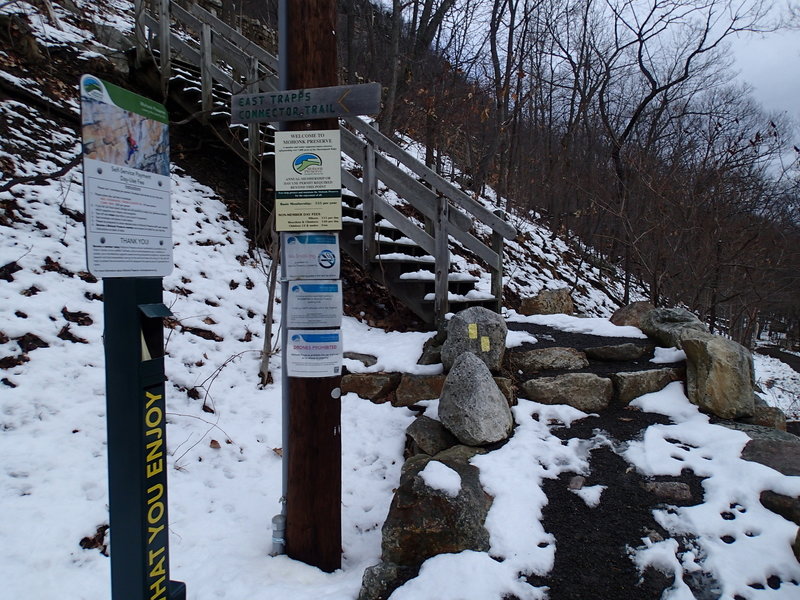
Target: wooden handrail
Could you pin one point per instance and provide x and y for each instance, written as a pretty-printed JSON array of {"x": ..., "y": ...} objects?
[
  {"x": 436, "y": 203},
  {"x": 382, "y": 142}
]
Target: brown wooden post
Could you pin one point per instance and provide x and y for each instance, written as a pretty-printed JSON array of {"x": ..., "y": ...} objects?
[
  {"x": 442, "y": 265},
  {"x": 497, "y": 269},
  {"x": 314, "y": 480},
  {"x": 253, "y": 154},
  {"x": 165, "y": 50},
  {"x": 369, "y": 190},
  {"x": 206, "y": 81}
]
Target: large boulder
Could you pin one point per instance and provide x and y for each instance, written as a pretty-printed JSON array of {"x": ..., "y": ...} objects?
[
  {"x": 547, "y": 359},
  {"x": 670, "y": 325},
  {"x": 548, "y": 302},
  {"x": 719, "y": 375},
  {"x": 632, "y": 314},
  {"x": 477, "y": 330},
  {"x": 584, "y": 391},
  {"x": 472, "y": 407},
  {"x": 638, "y": 383},
  {"x": 426, "y": 518}
]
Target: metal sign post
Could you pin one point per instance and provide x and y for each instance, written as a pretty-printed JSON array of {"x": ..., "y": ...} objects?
[{"x": 129, "y": 245}]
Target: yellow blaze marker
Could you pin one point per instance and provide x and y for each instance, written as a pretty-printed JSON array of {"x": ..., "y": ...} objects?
[
  {"x": 472, "y": 328},
  {"x": 484, "y": 343}
]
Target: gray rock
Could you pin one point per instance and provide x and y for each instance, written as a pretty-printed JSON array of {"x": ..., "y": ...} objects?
[
  {"x": 796, "y": 546},
  {"x": 577, "y": 482},
  {"x": 366, "y": 359},
  {"x": 414, "y": 388},
  {"x": 547, "y": 359},
  {"x": 632, "y": 314},
  {"x": 766, "y": 416},
  {"x": 670, "y": 491},
  {"x": 771, "y": 447},
  {"x": 379, "y": 581},
  {"x": 719, "y": 375},
  {"x": 785, "y": 506},
  {"x": 670, "y": 325},
  {"x": 472, "y": 407},
  {"x": 584, "y": 391},
  {"x": 372, "y": 386},
  {"x": 617, "y": 353},
  {"x": 428, "y": 436},
  {"x": 548, "y": 302},
  {"x": 424, "y": 522},
  {"x": 477, "y": 330},
  {"x": 638, "y": 383}
]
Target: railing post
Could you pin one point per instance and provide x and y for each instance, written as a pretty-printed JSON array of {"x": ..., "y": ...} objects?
[
  {"x": 165, "y": 61},
  {"x": 442, "y": 265},
  {"x": 206, "y": 82},
  {"x": 370, "y": 187},
  {"x": 138, "y": 32},
  {"x": 497, "y": 269},
  {"x": 253, "y": 153}
]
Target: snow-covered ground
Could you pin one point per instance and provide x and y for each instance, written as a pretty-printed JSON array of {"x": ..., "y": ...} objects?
[{"x": 225, "y": 465}]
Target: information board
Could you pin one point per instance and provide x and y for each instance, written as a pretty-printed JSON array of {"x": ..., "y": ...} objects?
[
  {"x": 126, "y": 182},
  {"x": 308, "y": 186}
]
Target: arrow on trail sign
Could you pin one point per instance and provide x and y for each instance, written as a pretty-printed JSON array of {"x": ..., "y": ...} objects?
[{"x": 302, "y": 105}]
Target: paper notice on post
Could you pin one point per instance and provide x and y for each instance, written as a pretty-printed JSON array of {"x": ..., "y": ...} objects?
[
  {"x": 314, "y": 353},
  {"x": 314, "y": 304}
]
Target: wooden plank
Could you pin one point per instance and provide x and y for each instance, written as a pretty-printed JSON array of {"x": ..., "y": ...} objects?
[
  {"x": 248, "y": 47},
  {"x": 477, "y": 247},
  {"x": 352, "y": 183},
  {"x": 352, "y": 145},
  {"x": 442, "y": 267},
  {"x": 416, "y": 194},
  {"x": 189, "y": 53},
  {"x": 165, "y": 59},
  {"x": 497, "y": 272},
  {"x": 448, "y": 189},
  {"x": 228, "y": 52},
  {"x": 185, "y": 18},
  {"x": 138, "y": 31},
  {"x": 254, "y": 158},
  {"x": 206, "y": 82},
  {"x": 399, "y": 220},
  {"x": 370, "y": 195}
]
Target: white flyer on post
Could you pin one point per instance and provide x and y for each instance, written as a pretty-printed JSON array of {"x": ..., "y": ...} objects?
[
  {"x": 311, "y": 255},
  {"x": 314, "y": 304},
  {"x": 314, "y": 353}
]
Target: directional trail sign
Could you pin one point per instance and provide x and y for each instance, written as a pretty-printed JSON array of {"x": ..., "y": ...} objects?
[{"x": 302, "y": 105}]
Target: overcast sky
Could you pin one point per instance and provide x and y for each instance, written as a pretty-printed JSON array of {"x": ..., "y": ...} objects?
[{"x": 771, "y": 64}]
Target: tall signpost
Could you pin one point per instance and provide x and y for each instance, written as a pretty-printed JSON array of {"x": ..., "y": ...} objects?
[
  {"x": 308, "y": 217},
  {"x": 129, "y": 245}
]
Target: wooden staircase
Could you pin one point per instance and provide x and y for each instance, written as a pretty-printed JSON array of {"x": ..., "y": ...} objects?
[{"x": 406, "y": 246}]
